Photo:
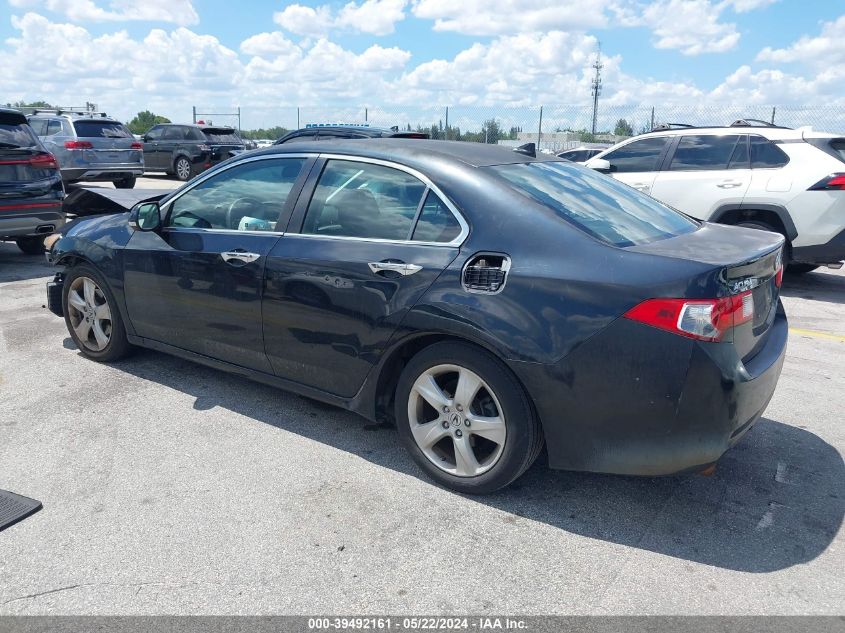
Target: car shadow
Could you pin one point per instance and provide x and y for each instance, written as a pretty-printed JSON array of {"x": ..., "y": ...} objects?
[
  {"x": 776, "y": 500},
  {"x": 18, "y": 266},
  {"x": 820, "y": 285}
]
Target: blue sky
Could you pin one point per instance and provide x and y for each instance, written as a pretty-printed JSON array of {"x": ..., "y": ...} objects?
[{"x": 403, "y": 55}]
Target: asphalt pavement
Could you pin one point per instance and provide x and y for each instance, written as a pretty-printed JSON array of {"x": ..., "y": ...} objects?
[{"x": 173, "y": 488}]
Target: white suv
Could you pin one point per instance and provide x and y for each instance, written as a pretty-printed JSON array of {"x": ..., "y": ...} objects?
[{"x": 788, "y": 181}]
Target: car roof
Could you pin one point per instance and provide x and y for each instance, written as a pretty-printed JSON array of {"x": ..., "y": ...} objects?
[
  {"x": 764, "y": 131},
  {"x": 417, "y": 153}
]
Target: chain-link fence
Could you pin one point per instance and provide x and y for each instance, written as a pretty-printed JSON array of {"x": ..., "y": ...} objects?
[{"x": 552, "y": 127}]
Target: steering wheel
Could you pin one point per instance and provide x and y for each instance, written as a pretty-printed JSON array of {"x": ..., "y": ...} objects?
[{"x": 232, "y": 221}]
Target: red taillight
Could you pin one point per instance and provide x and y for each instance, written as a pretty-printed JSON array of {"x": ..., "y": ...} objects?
[
  {"x": 835, "y": 182},
  {"x": 705, "y": 320},
  {"x": 44, "y": 161},
  {"x": 779, "y": 277},
  {"x": 78, "y": 145},
  {"x": 137, "y": 145},
  {"x": 39, "y": 161}
]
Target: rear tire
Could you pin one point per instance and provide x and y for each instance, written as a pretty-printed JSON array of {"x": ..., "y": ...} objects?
[
  {"x": 92, "y": 316},
  {"x": 32, "y": 245},
  {"x": 183, "y": 169},
  {"x": 473, "y": 442},
  {"x": 125, "y": 183}
]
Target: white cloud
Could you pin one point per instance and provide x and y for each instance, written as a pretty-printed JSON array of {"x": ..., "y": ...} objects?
[
  {"x": 743, "y": 6},
  {"x": 176, "y": 11},
  {"x": 823, "y": 50},
  {"x": 376, "y": 17},
  {"x": 690, "y": 26},
  {"x": 495, "y": 17}
]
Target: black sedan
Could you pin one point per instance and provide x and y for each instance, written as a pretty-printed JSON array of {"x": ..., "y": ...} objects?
[{"x": 486, "y": 300}]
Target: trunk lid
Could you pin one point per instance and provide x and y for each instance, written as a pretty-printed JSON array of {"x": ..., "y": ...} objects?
[
  {"x": 747, "y": 260},
  {"x": 111, "y": 143}
]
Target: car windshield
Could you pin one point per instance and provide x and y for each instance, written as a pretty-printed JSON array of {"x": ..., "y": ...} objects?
[
  {"x": 606, "y": 209},
  {"x": 106, "y": 129},
  {"x": 222, "y": 135}
]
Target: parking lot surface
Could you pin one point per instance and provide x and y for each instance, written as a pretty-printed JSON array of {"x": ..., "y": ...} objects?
[{"x": 174, "y": 488}]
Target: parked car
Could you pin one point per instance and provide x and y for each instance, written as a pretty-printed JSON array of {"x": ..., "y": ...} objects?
[
  {"x": 187, "y": 150},
  {"x": 31, "y": 190},
  {"x": 581, "y": 154},
  {"x": 90, "y": 147},
  {"x": 376, "y": 276},
  {"x": 749, "y": 174},
  {"x": 327, "y": 132}
]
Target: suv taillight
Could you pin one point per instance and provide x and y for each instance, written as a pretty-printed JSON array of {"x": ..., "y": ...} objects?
[
  {"x": 830, "y": 183},
  {"x": 704, "y": 320},
  {"x": 44, "y": 161},
  {"x": 78, "y": 145}
]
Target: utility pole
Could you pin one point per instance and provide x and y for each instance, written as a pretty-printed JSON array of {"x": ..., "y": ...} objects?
[{"x": 597, "y": 87}]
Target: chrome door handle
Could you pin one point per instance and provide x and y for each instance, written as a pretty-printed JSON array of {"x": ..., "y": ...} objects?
[
  {"x": 396, "y": 267},
  {"x": 729, "y": 184},
  {"x": 241, "y": 257}
]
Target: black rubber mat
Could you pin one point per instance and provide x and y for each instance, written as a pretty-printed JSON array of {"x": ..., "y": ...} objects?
[{"x": 14, "y": 508}]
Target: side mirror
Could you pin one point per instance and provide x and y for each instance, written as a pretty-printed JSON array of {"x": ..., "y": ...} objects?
[
  {"x": 600, "y": 164},
  {"x": 145, "y": 216},
  {"x": 146, "y": 138}
]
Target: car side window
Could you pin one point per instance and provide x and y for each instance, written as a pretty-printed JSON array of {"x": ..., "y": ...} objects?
[
  {"x": 436, "y": 222},
  {"x": 642, "y": 155},
  {"x": 173, "y": 133},
  {"x": 247, "y": 197},
  {"x": 765, "y": 154},
  {"x": 363, "y": 200},
  {"x": 39, "y": 126},
  {"x": 154, "y": 134},
  {"x": 708, "y": 152},
  {"x": 54, "y": 126}
]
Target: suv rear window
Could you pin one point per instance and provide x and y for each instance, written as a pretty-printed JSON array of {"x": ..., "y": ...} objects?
[
  {"x": 222, "y": 135},
  {"x": 603, "y": 207},
  {"x": 13, "y": 134},
  {"x": 105, "y": 129}
]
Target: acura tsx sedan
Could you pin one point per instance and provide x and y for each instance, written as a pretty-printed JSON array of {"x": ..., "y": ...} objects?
[{"x": 488, "y": 301}]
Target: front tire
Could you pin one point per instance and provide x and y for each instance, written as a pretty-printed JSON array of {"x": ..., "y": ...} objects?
[
  {"x": 183, "y": 169},
  {"x": 33, "y": 245},
  {"x": 125, "y": 183},
  {"x": 465, "y": 419},
  {"x": 92, "y": 316}
]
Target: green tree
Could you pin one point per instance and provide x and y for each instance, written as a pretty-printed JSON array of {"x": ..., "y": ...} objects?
[
  {"x": 272, "y": 133},
  {"x": 143, "y": 121},
  {"x": 33, "y": 104},
  {"x": 491, "y": 131},
  {"x": 586, "y": 137},
  {"x": 623, "y": 128}
]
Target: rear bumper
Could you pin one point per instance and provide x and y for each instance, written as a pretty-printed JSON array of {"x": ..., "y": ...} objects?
[
  {"x": 829, "y": 253},
  {"x": 103, "y": 172},
  {"x": 34, "y": 222},
  {"x": 635, "y": 400}
]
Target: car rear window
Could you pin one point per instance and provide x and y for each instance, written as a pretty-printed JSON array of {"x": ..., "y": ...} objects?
[
  {"x": 222, "y": 135},
  {"x": 14, "y": 135},
  {"x": 601, "y": 206},
  {"x": 101, "y": 129}
]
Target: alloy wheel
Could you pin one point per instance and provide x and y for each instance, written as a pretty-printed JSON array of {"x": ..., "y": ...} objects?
[
  {"x": 456, "y": 420},
  {"x": 183, "y": 169},
  {"x": 89, "y": 313}
]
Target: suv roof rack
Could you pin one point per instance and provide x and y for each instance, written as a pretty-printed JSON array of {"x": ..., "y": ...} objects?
[
  {"x": 756, "y": 123},
  {"x": 671, "y": 126},
  {"x": 71, "y": 110}
]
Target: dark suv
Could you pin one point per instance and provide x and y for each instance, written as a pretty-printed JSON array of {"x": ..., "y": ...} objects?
[
  {"x": 31, "y": 190},
  {"x": 335, "y": 132},
  {"x": 186, "y": 150}
]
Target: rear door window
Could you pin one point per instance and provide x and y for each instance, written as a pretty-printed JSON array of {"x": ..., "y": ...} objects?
[
  {"x": 54, "y": 126},
  {"x": 101, "y": 129},
  {"x": 602, "y": 207},
  {"x": 638, "y": 156},
  {"x": 710, "y": 152},
  {"x": 765, "y": 154},
  {"x": 173, "y": 133},
  {"x": 363, "y": 200},
  {"x": 39, "y": 126}
]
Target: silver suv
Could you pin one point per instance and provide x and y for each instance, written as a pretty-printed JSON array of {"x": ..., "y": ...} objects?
[{"x": 90, "y": 146}]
